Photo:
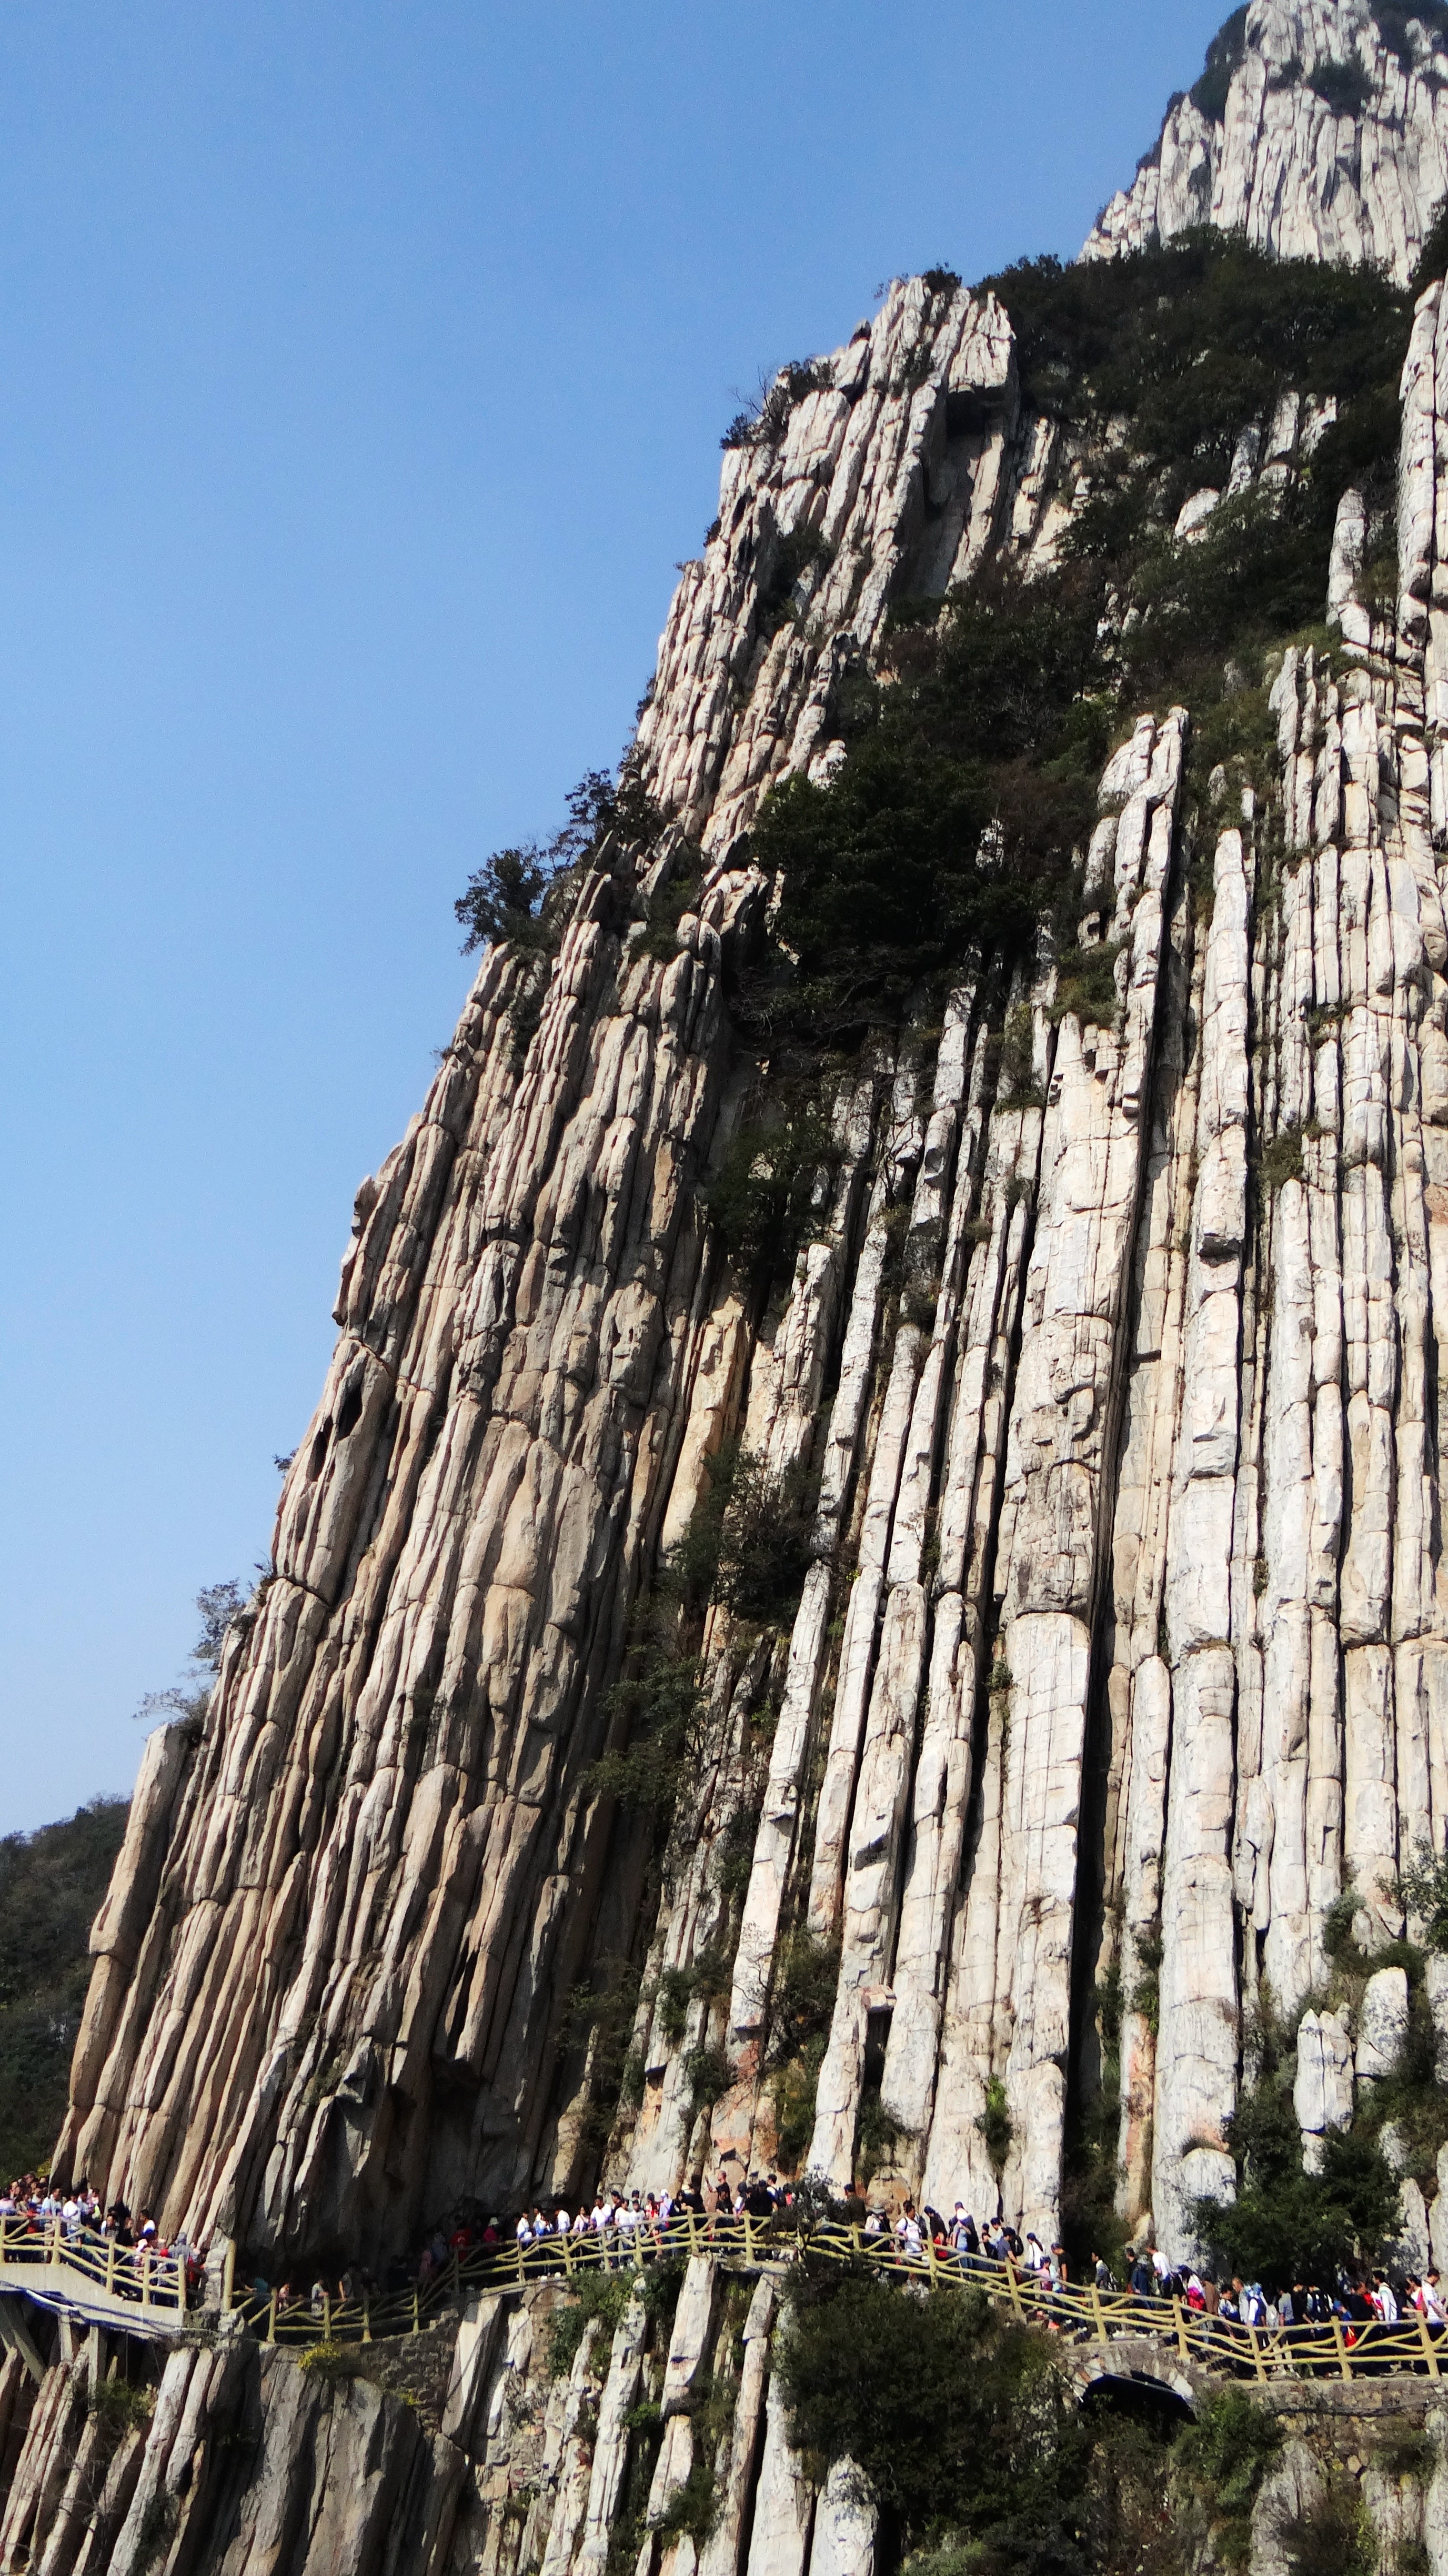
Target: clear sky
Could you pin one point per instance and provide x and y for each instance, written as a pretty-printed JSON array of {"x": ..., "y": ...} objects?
[{"x": 362, "y": 371}]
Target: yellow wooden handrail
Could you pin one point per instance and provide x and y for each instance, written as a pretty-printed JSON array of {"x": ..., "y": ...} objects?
[{"x": 154, "y": 2286}]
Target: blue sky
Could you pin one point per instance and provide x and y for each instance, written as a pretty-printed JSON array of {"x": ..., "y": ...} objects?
[{"x": 362, "y": 370}]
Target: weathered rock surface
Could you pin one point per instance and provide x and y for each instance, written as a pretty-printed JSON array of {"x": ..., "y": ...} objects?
[
  {"x": 449, "y": 2455},
  {"x": 1329, "y": 142}
]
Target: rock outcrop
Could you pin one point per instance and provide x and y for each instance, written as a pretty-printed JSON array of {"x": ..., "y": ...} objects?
[
  {"x": 1320, "y": 131},
  {"x": 334, "y": 1980},
  {"x": 465, "y": 2450}
]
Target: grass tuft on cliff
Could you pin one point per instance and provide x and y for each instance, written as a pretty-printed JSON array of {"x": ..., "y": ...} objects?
[{"x": 51, "y": 1886}]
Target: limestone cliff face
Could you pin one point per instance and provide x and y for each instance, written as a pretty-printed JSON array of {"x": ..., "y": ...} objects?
[
  {"x": 333, "y": 1976},
  {"x": 1123, "y": 1637},
  {"x": 1321, "y": 131}
]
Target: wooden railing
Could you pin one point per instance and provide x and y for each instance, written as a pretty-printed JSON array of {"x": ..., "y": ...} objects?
[
  {"x": 93, "y": 2276},
  {"x": 145, "y": 2294}
]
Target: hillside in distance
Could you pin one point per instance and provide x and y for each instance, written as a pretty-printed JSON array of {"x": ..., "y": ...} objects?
[{"x": 51, "y": 1886}]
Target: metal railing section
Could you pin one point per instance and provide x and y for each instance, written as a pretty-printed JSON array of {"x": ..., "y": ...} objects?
[{"x": 146, "y": 2294}]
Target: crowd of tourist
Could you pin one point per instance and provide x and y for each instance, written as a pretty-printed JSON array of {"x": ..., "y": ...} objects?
[
  {"x": 37, "y": 2208},
  {"x": 616, "y": 2227}
]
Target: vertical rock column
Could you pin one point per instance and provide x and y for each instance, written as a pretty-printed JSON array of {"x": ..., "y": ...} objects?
[
  {"x": 1059, "y": 1490},
  {"x": 1196, "y": 2056},
  {"x": 979, "y": 1321},
  {"x": 859, "y": 1829}
]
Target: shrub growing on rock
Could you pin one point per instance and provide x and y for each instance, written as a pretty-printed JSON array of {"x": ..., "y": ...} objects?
[
  {"x": 747, "y": 1544},
  {"x": 1286, "y": 2224},
  {"x": 960, "y": 2421}
]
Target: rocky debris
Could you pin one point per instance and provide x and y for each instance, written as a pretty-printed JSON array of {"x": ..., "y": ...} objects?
[{"x": 1329, "y": 141}]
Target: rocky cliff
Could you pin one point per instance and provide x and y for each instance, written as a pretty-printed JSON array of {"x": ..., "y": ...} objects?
[
  {"x": 1121, "y": 1632},
  {"x": 866, "y": 1588},
  {"x": 1319, "y": 129},
  {"x": 654, "y": 2437}
]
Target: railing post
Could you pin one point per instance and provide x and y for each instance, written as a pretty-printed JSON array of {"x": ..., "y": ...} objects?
[
  {"x": 1428, "y": 2345},
  {"x": 110, "y": 2267},
  {"x": 1183, "y": 2346},
  {"x": 520, "y": 2262},
  {"x": 1256, "y": 2334},
  {"x": 228, "y": 2278},
  {"x": 271, "y": 2319},
  {"x": 1100, "y": 2320},
  {"x": 417, "y": 2306},
  {"x": 568, "y": 2256},
  {"x": 326, "y": 2316},
  {"x": 367, "y": 2316},
  {"x": 1015, "y": 2288},
  {"x": 1344, "y": 2365},
  {"x": 934, "y": 2264},
  {"x": 748, "y": 2239},
  {"x": 145, "y": 2280}
]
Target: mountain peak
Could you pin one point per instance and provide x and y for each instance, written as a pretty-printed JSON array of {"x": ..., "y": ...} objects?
[{"x": 1319, "y": 128}]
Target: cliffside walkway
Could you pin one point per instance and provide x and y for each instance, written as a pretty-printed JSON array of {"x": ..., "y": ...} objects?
[{"x": 141, "y": 2294}]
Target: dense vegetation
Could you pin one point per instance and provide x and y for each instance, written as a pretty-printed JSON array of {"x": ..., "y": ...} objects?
[
  {"x": 978, "y": 2456},
  {"x": 1285, "y": 2224},
  {"x": 956, "y": 821},
  {"x": 51, "y": 1886}
]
